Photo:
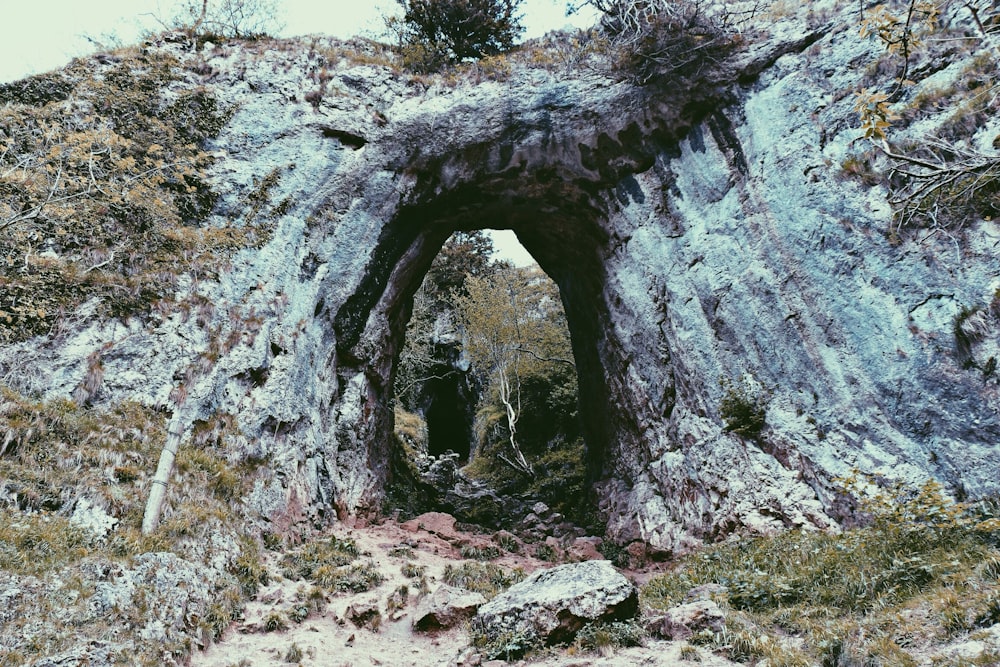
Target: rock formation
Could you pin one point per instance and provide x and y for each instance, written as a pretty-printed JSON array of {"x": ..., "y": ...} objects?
[
  {"x": 697, "y": 228},
  {"x": 553, "y": 604}
]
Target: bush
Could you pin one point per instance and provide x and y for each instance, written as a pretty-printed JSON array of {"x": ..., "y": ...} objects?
[
  {"x": 435, "y": 32},
  {"x": 649, "y": 39},
  {"x": 217, "y": 19},
  {"x": 743, "y": 408}
]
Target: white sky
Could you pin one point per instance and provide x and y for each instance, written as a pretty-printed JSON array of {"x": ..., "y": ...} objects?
[{"x": 41, "y": 35}]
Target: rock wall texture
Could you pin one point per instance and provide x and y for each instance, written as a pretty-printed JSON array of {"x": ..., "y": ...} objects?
[{"x": 699, "y": 231}]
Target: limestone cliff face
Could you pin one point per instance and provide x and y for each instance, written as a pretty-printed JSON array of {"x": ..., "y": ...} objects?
[{"x": 698, "y": 231}]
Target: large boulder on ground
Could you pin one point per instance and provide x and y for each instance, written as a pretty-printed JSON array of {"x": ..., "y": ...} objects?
[
  {"x": 436, "y": 523},
  {"x": 445, "y": 608},
  {"x": 551, "y": 605}
]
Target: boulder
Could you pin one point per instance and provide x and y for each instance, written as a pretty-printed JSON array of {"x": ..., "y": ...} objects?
[
  {"x": 436, "y": 523},
  {"x": 585, "y": 548},
  {"x": 552, "y": 605},
  {"x": 683, "y": 621},
  {"x": 445, "y": 608},
  {"x": 364, "y": 615}
]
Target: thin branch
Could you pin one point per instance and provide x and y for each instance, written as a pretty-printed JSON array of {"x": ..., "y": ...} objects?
[{"x": 539, "y": 357}]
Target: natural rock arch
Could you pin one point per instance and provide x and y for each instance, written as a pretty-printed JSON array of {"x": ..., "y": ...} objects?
[{"x": 695, "y": 234}]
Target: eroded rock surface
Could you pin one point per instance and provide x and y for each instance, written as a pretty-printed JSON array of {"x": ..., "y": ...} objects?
[
  {"x": 553, "y": 604},
  {"x": 698, "y": 229},
  {"x": 446, "y": 607}
]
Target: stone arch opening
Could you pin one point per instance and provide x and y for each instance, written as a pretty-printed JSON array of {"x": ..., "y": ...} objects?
[{"x": 558, "y": 224}]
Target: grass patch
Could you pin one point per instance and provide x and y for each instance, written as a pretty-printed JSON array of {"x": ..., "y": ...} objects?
[
  {"x": 307, "y": 560},
  {"x": 485, "y": 578},
  {"x": 114, "y": 177},
  {"x": 847, "y": 595},
  {"x": 329, "y": 564},
  {"x": 56, "y": 454}
]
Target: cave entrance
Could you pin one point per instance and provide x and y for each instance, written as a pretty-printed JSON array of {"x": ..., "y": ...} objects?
[{"x": 449, "y": 418}]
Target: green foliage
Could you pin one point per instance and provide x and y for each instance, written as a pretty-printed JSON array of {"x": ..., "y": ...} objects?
[
  {"x": 743, "y": 407},
  {"x": 844, "y": 593},
  {"x": 412, "y": 570},
  {"x": 545, "y": 552},
  {"x": 509, "y": 645},
  {"x": 275, "y": 622},
  {"x": 248, "y": 568},
  {"x": 433, "y": 33},
  {"x": 485, "y": 578},
  {"x": 329, "y": 564},
  {"x": 304, "y": 563},
  {"x": 606, "y": 638},
  {"x": 480, "y": 552},
  {"x": 518, "y": 341},
  {"x": 356, "y": 578}
]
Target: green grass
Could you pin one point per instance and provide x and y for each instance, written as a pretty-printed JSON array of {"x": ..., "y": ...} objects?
[
  {"x": 304, "y": 562},
  {"x": 330, "y": 564},
  {"x": 56, "y": 452},
  {"x": 851, "y": 596},
  {"x": 485, "y": 578}
]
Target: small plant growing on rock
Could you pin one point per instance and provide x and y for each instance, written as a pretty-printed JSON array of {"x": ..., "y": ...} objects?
[
  {"x": 743, "y": 408},
  {"x": 606, "y": 638},
  {"x": 480, "y": 552},
  {"x": 294, "y": 654},
  {"x": 412, "y": 570}
]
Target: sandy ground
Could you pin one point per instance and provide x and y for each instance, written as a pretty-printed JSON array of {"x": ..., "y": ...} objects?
[{"x": 330, "y": 640}]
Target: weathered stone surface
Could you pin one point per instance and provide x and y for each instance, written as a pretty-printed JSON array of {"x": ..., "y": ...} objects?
[
  {"x": 364, "y": 615},
  {"x": 446, "y": 607},
  {"x": 584, "y": 548},
  {"x": 436, "y": 523},
  {"x": 553, "y": 604},
  {"x": 92, "y": 518},
  {"x": 685, "y": 620},
  {"x": 698, "y": 229}
]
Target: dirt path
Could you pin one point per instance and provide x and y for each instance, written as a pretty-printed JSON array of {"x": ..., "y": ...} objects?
[{"x": 329, "y": 639}]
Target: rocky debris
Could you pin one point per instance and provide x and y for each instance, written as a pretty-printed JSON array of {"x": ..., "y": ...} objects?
[
  {"x": 585, "y": 548},
  {"x": 171, "y": 589},
  {"x": 542, "y": 522},
  {"x": 364, "y": 615},
  {"x": 96, "y": 653},
  {"x": 972, "y": 650},
  {"x": 683, "y": 621},
  {"x": 440, "y": 472},
  {"x": 92, "y": 518},
  {"x": 699, "y": 228},
  {"x": 552, "y": 605},
  {"x": 446, "y": 607},
  {"x": 706, "y": 592}
]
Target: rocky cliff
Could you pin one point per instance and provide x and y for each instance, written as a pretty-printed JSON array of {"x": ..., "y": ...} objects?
[{"x": 699, "y": 228}]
